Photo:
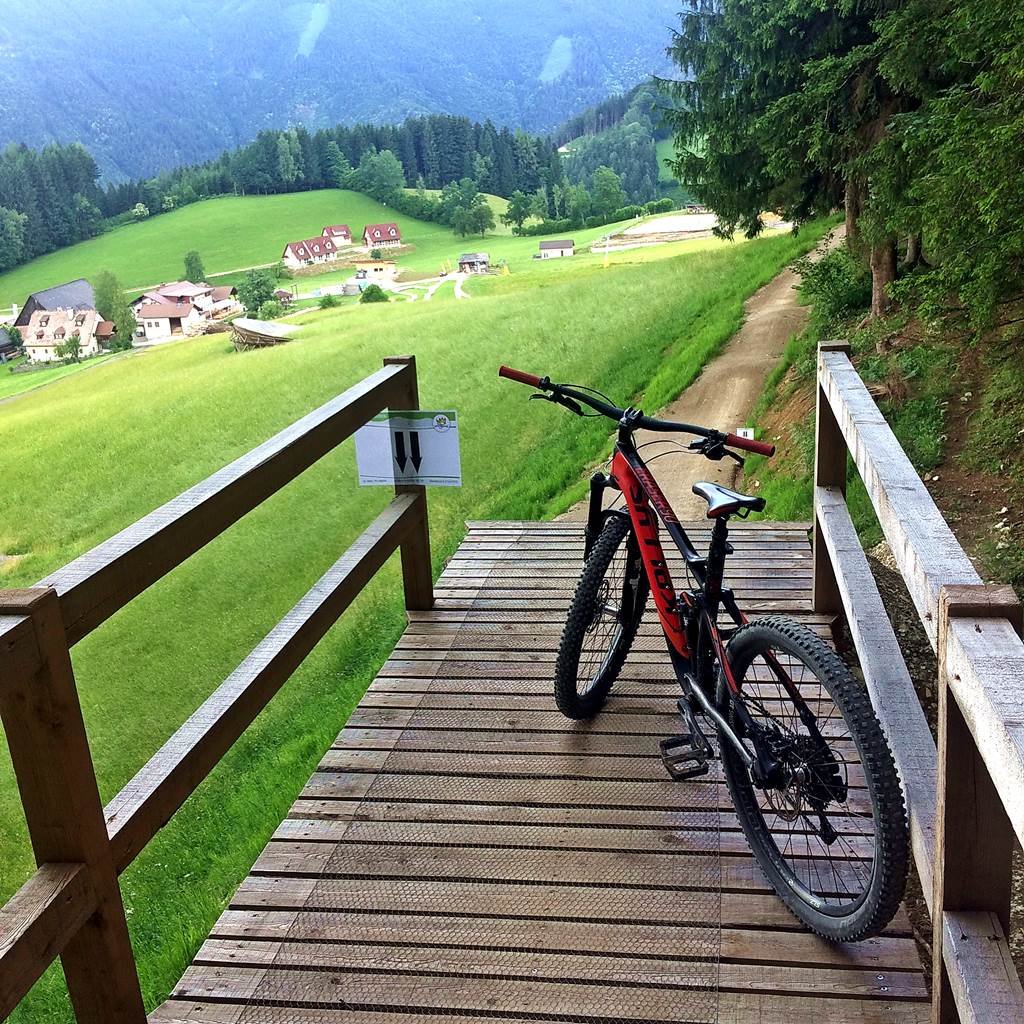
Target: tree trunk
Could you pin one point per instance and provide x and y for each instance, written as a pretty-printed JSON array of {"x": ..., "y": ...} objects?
[
  {"x": 854, "y": 207},
  {"x": 883, "y": 274},
  {"x": 913, "y": 250}
]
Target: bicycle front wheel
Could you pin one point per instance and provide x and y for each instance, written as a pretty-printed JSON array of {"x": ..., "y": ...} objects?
[
  {"x": 603, "y": 619},
  {"x": 830, "y": 832}
]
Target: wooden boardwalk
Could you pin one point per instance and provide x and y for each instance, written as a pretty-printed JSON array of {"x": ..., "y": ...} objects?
[{"x": 464, "y": 851}]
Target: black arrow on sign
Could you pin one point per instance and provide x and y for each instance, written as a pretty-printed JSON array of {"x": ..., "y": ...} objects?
[
  {"x": 400, "y": 450},
  {"x": 417, "y": 459}
]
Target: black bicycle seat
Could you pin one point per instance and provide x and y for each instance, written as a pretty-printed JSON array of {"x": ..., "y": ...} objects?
[{"x": 724, "y": 502}]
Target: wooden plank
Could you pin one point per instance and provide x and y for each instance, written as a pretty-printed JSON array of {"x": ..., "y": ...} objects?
[
  {"x": 983, "y": 979},
  {"x": 741, "y": 944},
  {"x": 734, "y": 1008},
  {"x": 98, "y": 583},
  {"x": 629, "y": 967},
  {"x": 444, "y": 897},
  {"x": 49, "y": 750},
  {"x": 172, "y": 774},
  {"x": 922, "y": 543},
  {"x": 36, "y": 924},
  {"x": 885, "y": 674}
]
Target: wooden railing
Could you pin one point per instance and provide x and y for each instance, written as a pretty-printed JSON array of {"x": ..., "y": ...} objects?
[
  {"x": 965, "y": 797},
  {"x": 71, "y": 907}
]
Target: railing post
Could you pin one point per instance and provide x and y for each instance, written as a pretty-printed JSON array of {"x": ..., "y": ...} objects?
[
  {"x": 829, "y": 471},
  {"x": 417, "y": 575},
  {"x": 973, "y": 835},
  {"x": 49, "y": 749}
]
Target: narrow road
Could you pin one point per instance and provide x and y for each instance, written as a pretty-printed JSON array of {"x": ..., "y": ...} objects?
[{"x": 725, "y": 393}]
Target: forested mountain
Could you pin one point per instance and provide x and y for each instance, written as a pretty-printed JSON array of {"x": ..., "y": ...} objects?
[{"x": 148, "y": 85}]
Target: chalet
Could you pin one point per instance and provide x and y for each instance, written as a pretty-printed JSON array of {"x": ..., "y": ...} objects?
[
  {"x": 159, "y": 321},
  {"x": 339, "y": 234},
  {"x": 474, "y": 263},
  {"x": 73, "y": 295},
  {"x": 382, "y": 236},
  {"x": 46, "y": 330},
  {"x": 309, "y": 252},
  {"x": 557, "y": 248},
  {"x": 192, "y": 305}
]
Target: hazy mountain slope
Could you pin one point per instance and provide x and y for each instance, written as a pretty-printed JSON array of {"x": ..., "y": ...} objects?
[{"x": 148, "y": 84}]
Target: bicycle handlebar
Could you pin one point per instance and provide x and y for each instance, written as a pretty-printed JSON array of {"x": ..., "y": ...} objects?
[{"x": 637, "y": 420}]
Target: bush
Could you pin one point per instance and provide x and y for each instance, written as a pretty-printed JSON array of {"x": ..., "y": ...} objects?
[
  {"x": 376, "y": 254},
  {"x": 270, "y": 310},
  {"x": 329, "y": 301},
  {"x": 838, "y": 285},
  {"x": 664, "y": 205},
  {"x": 627, "y": 213},
  {"x": 374, "y": 293}
]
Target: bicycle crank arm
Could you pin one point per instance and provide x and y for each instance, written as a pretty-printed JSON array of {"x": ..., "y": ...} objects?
[{"x": 712, "y": 712}]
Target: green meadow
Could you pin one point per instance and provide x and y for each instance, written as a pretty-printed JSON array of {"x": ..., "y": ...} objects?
[
  {"x": 157, "y": 422},
  {"x": 235, "y": 232}
]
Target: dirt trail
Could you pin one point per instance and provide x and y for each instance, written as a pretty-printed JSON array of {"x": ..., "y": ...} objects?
[{"x": 724, "y": 394}]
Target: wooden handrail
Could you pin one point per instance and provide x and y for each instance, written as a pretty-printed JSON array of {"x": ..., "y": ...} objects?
[
  {"x": 36, "y": 924},
  {"x": 170, "y": 776},
  {"x": 98, "y": 583},
  {"x": 965, "y": 794},
  {"x": 71, "y": 907}
]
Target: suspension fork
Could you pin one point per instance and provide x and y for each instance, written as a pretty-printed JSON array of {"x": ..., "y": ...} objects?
[{"x": 596, "y": 515}]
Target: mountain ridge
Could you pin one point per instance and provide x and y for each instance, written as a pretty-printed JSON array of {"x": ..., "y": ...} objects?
[{"x": 151, "y": 84}]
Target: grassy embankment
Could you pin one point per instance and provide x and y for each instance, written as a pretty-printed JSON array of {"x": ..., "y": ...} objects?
[
  {"x": 160, "y": 421},
  {"x": 955, "y": 403}
]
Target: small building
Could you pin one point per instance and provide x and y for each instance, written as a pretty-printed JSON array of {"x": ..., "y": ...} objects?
[
  {"x": 46, "y": 330},
  {"x": 160, "y": 321},
  {"x": 309, "y": 252},
  {"x": 474, "y": 263},
  {"x": 557, "y": 248},
  {"x": 339, "y": 234},
  {"x": 376, "y": 270},
  {"x": 284, "y": 296},
  {"x": 75, "y": 295},
  {"x": 382, "y": 236}
]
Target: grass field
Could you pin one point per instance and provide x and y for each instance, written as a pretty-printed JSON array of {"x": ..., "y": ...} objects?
[
  {"x": 160, "y": 421},
  {"x": 234, "y": 232},
  {"x": 17, "y": 383}
]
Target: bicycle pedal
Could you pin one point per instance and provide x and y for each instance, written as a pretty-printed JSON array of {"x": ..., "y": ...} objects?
[{"x": 682, "y": 759}]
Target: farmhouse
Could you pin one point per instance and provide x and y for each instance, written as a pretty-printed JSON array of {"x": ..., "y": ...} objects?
[
  {"x": 73, "y": 295},
  {"x": 48, "y": 329},
  {"x": 376, "y": 270},
  {"x": 182, "y": 308},
  {"x": 159, "y": 321},
  {"x": 382, "y": 236},
  {"x": 339, "y": 234},
  {"x": 474, "y": 263},
  {"x": 309, "y": 252},
  {"x": 557, "y": 248}
]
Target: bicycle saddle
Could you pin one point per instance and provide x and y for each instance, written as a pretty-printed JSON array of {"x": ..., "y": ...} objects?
[{"x": 724, "y": 502}]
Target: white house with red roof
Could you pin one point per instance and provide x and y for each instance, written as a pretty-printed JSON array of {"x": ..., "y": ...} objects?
[
  {"x": 339, "y": 234},
  {"x": 309, "y": 252},
  {"x": 382, "y": 236}
]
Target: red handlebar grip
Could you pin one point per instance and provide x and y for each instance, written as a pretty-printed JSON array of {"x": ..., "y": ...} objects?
[
  {"x": 757, "y": 447},
  {"x": 519, "y": 375}
]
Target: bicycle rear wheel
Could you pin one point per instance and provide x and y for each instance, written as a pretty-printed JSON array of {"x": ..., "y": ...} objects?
[
  {"x": 831, "y": 835},
  {"x": 603, "y": 619}
]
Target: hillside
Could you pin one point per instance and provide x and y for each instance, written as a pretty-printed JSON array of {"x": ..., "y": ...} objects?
[
  {"x": 230, "y": 233},
  {"x": 218, "y": 72},
  {"x": 640, "y": 328}
]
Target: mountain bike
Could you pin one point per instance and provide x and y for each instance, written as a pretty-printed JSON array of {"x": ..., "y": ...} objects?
[{"x": 808, "y": 768}]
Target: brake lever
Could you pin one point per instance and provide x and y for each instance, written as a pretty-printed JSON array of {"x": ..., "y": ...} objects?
[
  {"x": 714, "y": 450},
  {"x": 568, "y": 403}
]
